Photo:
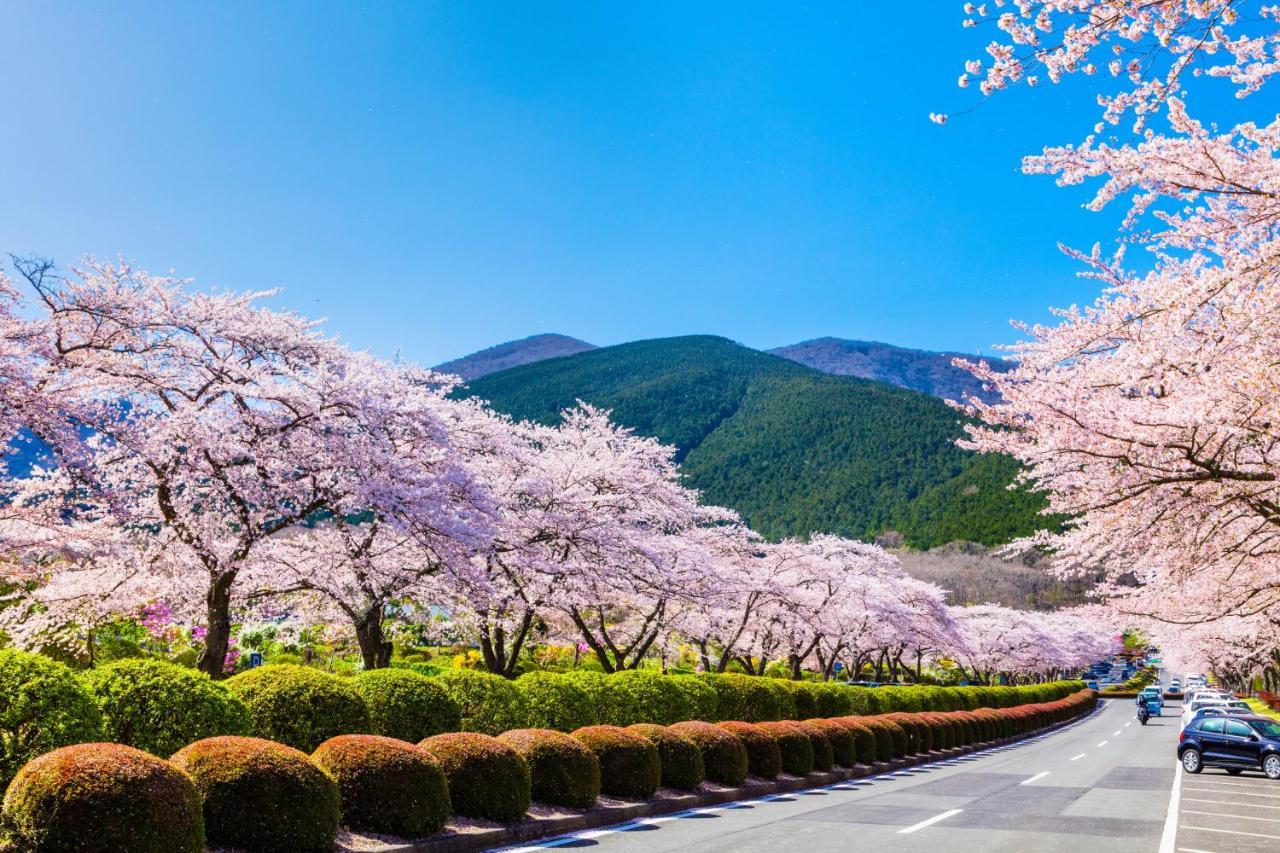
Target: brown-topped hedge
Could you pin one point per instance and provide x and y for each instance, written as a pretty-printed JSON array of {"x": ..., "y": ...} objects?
[
  {"x": 386, "y": 785},
  {"x": 840, "y": 740},
  {"x": 487, "y": 778},
  {"x": 681, "y": 760},
  {"x": 629, "y": 764},
  {"x": 564, "y": 772},
  {"x": 793, "y": 745},
  {"x": 764, "y": 759},
  {"x": 724, "y": 757}
]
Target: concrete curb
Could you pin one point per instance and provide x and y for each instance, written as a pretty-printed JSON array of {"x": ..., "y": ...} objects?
[{"x": 536, "y": 828}]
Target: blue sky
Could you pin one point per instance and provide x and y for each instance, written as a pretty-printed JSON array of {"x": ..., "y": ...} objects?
[{"x": 436, "y": 178}]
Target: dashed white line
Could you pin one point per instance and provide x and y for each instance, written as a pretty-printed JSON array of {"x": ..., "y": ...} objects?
[
  {"x": 1116, "y": 733},
  {"x": 1237, "y": 816},
  {"x": 1039, "y": 775},
  {"x": 1235, "y": 793},
  {"x": 1227, "y": 802},
  {"x": 1229, "y": 831},
  {"x": 930, "y": 822},
  {"x": 1078, "y": 757},
  {"x": 1130, "y": 723},
  {"x": 1104, "y": 743}
]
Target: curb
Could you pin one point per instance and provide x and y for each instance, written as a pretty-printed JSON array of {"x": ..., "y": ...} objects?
[{"x": 537, "y": 828}]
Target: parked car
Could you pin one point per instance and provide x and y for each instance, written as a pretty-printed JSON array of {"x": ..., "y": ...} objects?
[
  {"x": 1193, "y": 709},
  {"x": 1234, "y": 743}
]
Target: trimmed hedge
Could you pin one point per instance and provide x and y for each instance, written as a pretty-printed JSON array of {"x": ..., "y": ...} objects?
[
  {"x": 793, "y": 745},
  {"x": 161, "y": 707},
  {"x": 261, "y": 796},
  {"x": 103, "y": 797},
  {"x": 487, "y": 778},
  {"x": 804, "y": 699},
  {"x": 563, "y": 771},
  {"x": 839, "y": 739},
  {"x": 702, "y": 696},
  {"x": 865, "y": 748},
  {"x": 724, "y": 757},
  {"x": 681, "y": 760},
  {"x": 629, "y": 763},
  {"x": 299, "y": 706},
  {"x": 742, "y": 697},
  {"x": 823, "y": 756},
  {"x": 635, "y": 696},
  {"x": 490, "y": 704},
  {"x": 764, "y": 758},
  {"x": 405, "y": 705},
  {"x": 555, "y": 702},
  {"x": 42, "y": 706},
  {"x": 386, "y": 785}
]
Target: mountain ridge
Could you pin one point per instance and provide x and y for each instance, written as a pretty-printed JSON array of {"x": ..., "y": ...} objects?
[{"x": 514, "y": 354}]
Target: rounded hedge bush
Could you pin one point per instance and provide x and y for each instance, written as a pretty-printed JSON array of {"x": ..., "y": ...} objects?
[
  {"x": 563, "y": 771},
  {"x": 764, "y": 759},
  {"x": 681, "y": 760},
  {"x": 635, "y": 696},
  {"x": 261, "y": 796},
  {"x": 405, "y": 705},
  {"x": 160, "y": 707},
  {"x": 839, "y": 738},
  {"x": 794, "y": 746},
  {"x": 555, "y": 702},
  {"x": 490, "y": 704},
  {"x": 103, "y": 797},
  {"x": 833, "y": 700},
  {"x": 589, "y": 680},
  {"x": 804, "y": 699},
  {"x": 487, "y": 778},
  {"x": 823, "y": 755},
  {"x": 860, "y": 701},
  {"x": 783, "y": 696},
  {"x": 702, "y": 697},
  {"x": 865, "y": 741},
  {"x": 299, "y": 706},
  {"x": 386, "y": 785},
  {"x": 883, "y": 735},
  {"x": 42, "y": 706},
  {"x": 724, "y": 757},
  {"x": 742, "y": 697},
  {"x": 629, "y": 763}
]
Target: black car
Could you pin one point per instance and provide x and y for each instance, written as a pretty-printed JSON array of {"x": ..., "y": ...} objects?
[{"x": 1236, "y": 743}]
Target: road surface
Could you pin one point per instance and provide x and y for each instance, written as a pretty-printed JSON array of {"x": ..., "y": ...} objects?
[{"x": 1102, "y": 785}]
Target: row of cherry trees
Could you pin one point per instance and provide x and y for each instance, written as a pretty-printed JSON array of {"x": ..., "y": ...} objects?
[
  {"x": 229, "y": 461},
  {"x": 1152, "y": 416}
]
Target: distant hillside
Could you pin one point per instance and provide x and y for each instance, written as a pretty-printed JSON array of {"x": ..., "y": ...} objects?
[
  {"x": 930, "y": 372},
  {"x": 792, "y": 449},
  {"x": 514, "y": 354}
]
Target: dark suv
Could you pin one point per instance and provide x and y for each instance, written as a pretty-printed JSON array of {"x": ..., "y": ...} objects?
[{"x": 1236, "y": 743}]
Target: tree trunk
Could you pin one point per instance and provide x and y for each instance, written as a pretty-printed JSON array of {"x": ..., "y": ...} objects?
[
  {"x": 375, "y": 648},
  {"x": 218, "y": 638}
]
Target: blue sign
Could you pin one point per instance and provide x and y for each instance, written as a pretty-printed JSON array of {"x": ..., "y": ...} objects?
[
  {"x": 255, "y": 659},
  {"x": 839, "y": 667}
]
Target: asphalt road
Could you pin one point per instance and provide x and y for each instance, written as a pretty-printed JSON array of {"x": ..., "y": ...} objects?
[
  {"x": 1218, "y": 813},
  {"x": 1103, "y": 784}
]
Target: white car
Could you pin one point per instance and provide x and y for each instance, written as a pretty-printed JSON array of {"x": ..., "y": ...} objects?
[{"x": 1189, "y": 709}]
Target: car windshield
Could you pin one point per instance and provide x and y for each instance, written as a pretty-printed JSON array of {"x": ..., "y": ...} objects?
[{"x": 1266, "y": 728}]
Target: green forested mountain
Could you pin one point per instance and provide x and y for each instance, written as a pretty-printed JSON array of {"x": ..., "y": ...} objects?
[{"x": 792, "y": 449}]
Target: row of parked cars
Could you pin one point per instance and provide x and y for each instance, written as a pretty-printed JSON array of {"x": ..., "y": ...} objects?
[{"x": 1220, "y": 730}]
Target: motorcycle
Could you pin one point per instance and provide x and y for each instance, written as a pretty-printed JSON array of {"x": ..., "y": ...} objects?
[{"x": 1143, "y": 713}]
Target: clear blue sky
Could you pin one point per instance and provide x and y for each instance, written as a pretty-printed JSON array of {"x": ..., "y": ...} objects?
[{"x": 441, "y": 177}]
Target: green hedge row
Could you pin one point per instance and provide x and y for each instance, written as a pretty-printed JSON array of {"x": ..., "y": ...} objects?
[{"x": 265, "y": 797}]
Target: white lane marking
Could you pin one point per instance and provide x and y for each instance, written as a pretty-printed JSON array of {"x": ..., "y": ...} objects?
[
  {"x": 1078, "y": 757},
  {"x": 1130, "y": 723},
  {"x": 1229, "y": 831},
  {"x": 1104, "y": 743},
  {"x": 1235, "y": 793},
  {"x": 1227, "y": 802},
  {"x": 1170, "y": 834},
  {"x": 1193, "y": 850},
  {"x": 930, "y": 822},
  {"x": 1040, "y": 775},
  {"x": 1237, "y": 816},
  {"x": 1262, "y": 783},
  {"x": 1116, "y": 733}
]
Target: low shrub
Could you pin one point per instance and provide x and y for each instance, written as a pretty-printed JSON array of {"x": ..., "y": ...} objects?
[
  {"x": 635, "y": 696},
  {"x": 860, "y": 701},
  {"x": 490, "y": 704},
  {"x": 764, "y": 758},
  {"x": 823, "y": 756},
  {"x": 563, "y": 771},
  {"x": 883, "y": 735},
  {"x": 793, "y": 745},
  {"x": 897, "y": 734},
  {"x": 916, "y": 731},
  {"x": 783, "y": 696},
  {"x": 703, "y": 701},
  {"x": 724, "y": 757},
  {"x": 804, "y": 699},
  {"x": 159, "y": 707},
  {"x": 629, "y": 763},
  {"x": 487, "y": 778},
  {"x": 261, "y": 796},
  {"x": 386, "y": 785},
  {"x": 839, "y": 738},
  {"x": 832, "y": 699},
  {"x": 590, "y": 681},
  {"x": 42, "y": 706},
  {"x": 865, "y": 748},
  {"x": 405, "y": 705},
  {"x": 103, "y": 797},
  {"x": 680, "y": 758},
  {"x": 299, "y": 706},
  {"x": 742, "y": 697},
  {"x": 553, "y": 701}
]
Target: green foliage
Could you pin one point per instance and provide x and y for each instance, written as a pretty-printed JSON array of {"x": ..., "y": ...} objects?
[
  {"x": 629, "y": 764},
  {"x": 783, "y": 696},
  {"x": 793, "y": 745},
  {"x": 100, "y": 797},
  {"x": 865, "y": 749},
  {"x": 764, "y": 759},
  {"x": 833, "y": 700},
  {"x": 804, "y": 700},
  {"x": 261, "y": 796},
  {"x": 563, "y": 770},
  {"x": 724, "y": 757},
  {"x": 681, "y": 760},
  {"x": 839, "y": 739},
  {"x": 299, "y": 706},
  {"x": 405, "y": 705},
  {"x": 742, "y": 697},
  {"x": 487, "y": 778},
  {"x": 823, "y": 754},
  {"x": 490, "y": 704},
  {"x": 793, "y": 450},
  {"x": 703, "y": 700},
  {"x": 636, "y": 696},
  {"x": 553, "y": 701},
  {"x": 160, "y": 707},
  {"x": 42, "y": 707},
  {"x": 386, "y": 785}
]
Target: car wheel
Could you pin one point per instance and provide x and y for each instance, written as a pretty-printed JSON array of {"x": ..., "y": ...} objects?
[
  {"x": 1271, "y": 766},
  {"x": 1191, "y": 761}
]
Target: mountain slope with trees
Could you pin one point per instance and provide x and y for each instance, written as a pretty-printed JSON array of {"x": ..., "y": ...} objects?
[{"x": 794, "y": 450}]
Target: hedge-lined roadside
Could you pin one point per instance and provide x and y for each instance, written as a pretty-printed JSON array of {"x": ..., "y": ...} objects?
[{"x": 239, "y": 780}]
